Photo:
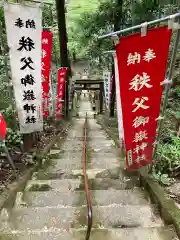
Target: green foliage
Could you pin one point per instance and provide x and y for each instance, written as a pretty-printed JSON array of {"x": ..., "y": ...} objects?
[
  {"x": 170, "y": 153},
  {"x": 49, "y": 20},
  {"x": 177, "y": 91},
  {"x": 77, "y": 13},
  {"x": 163, "y": 179},
  {"x": 168, "y": 158},
  {"x": 9, "y": 116},
  {"x": 85, "y": 24},
  {"x": 47, "y": 16},
  {"x": 13, "y": 138},
  {"x": 145, "y": 10}
]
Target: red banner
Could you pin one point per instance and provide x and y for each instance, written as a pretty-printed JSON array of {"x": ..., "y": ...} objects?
[
  {"x": 142, "y": 66},
  {"x": 3, "y": 127},
  {"x": 46, "y": 66},
  {"x": 61, "y": 74}
]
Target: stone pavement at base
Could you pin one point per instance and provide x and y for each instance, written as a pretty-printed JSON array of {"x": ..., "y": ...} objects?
[{"x": 53, "y": 205}]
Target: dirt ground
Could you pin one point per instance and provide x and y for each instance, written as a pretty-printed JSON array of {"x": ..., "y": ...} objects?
[{"x": 22, "y": 160}]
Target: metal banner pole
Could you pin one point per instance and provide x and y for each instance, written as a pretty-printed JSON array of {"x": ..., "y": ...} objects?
[{"x": 110, "y": 52}]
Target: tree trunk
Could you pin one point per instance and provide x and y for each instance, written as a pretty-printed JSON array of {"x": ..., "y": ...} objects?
[
  {"x": 117, "y": 24},
  {"x": 60, "y": 8}
]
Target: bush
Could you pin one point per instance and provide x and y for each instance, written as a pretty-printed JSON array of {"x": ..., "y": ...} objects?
[
  {"x": 169, "y": 155},
  {"x": 13, "y": 138}
]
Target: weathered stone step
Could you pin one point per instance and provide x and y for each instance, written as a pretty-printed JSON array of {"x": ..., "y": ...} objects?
[
  {"x": 67, "y": 154},
  {"x": 109, "y": 152},
  {"x": 58, "y": 185},
  {"x": 80, "y": 138},
  {"x": 159, "y": 233},
  {"x": 72, "y": 145},
  {"x": 74, "y": 161},
  {"x": 103, "y": 143},
  {"x": 94, "y": 127},
  {"x": 68, "y": 138},
  {"x": 96, "y": 147},
  {"x": 78, "y": 184},
  {"x": 103, "y": 161},
  {"x": 70, "y": 163},
  {"x": 95, "y": 135},
  {"x": 115, "y": 216},
  {"x": 76, "y": 134},
  {"x": 59, "y": 173},
  {"x": 78, "y": 198}
]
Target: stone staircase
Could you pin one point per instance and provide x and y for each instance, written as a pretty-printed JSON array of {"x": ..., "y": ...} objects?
[{"x": 53, "y": 205}]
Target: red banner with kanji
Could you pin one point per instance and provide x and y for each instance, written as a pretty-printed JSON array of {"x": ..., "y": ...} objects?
[
  {"x": 46, "y": 66},
  {"x": 3, "y": 127},
  {"x": 61, "y": 80},
  {"x": 142, "y": 66}
]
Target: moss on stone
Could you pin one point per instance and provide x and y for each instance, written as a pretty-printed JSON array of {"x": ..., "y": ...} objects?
[{"x": 39, "y": 187}]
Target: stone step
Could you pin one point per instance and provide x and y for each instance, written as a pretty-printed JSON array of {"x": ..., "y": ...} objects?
[
  {"x": 99, "y": 151},
  {"x": 74, "y": 161},
  {"x": 156, "y": 233},
  {"x": 115, "y": 216},
  {"x": 75, "y": 134},
  {"x": 74, "y": 138},
  {"x": 97, "y": 135},
  {"x": 67, "y": 154},
  {"x": 78, "y": 198},
  {"x": 63, "y": 185},
  {"x": 65, "y": 160},
  {"x": 103, "y": 162},
  {"x": 94, "y": 153},
  {"x": 78, "y": 184},
  {"x": 103, "y": 144},
  {"x": 60, "y": 173},
  {"x": 72, "y": 146},
  {"x": 92, "y": 127},
  {"x": 80, "y": 138},
  {"x": 100, "y": 148}
]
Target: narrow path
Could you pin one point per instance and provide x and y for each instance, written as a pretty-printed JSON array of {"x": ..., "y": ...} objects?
[{"x": 53, "y": 205}]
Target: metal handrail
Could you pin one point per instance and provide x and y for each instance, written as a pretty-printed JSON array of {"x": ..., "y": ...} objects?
[{"x": 89, "y": 206}]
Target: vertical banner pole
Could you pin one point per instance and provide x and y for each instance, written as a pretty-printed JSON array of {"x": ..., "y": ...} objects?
[{"x": 168, "y": 87}]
